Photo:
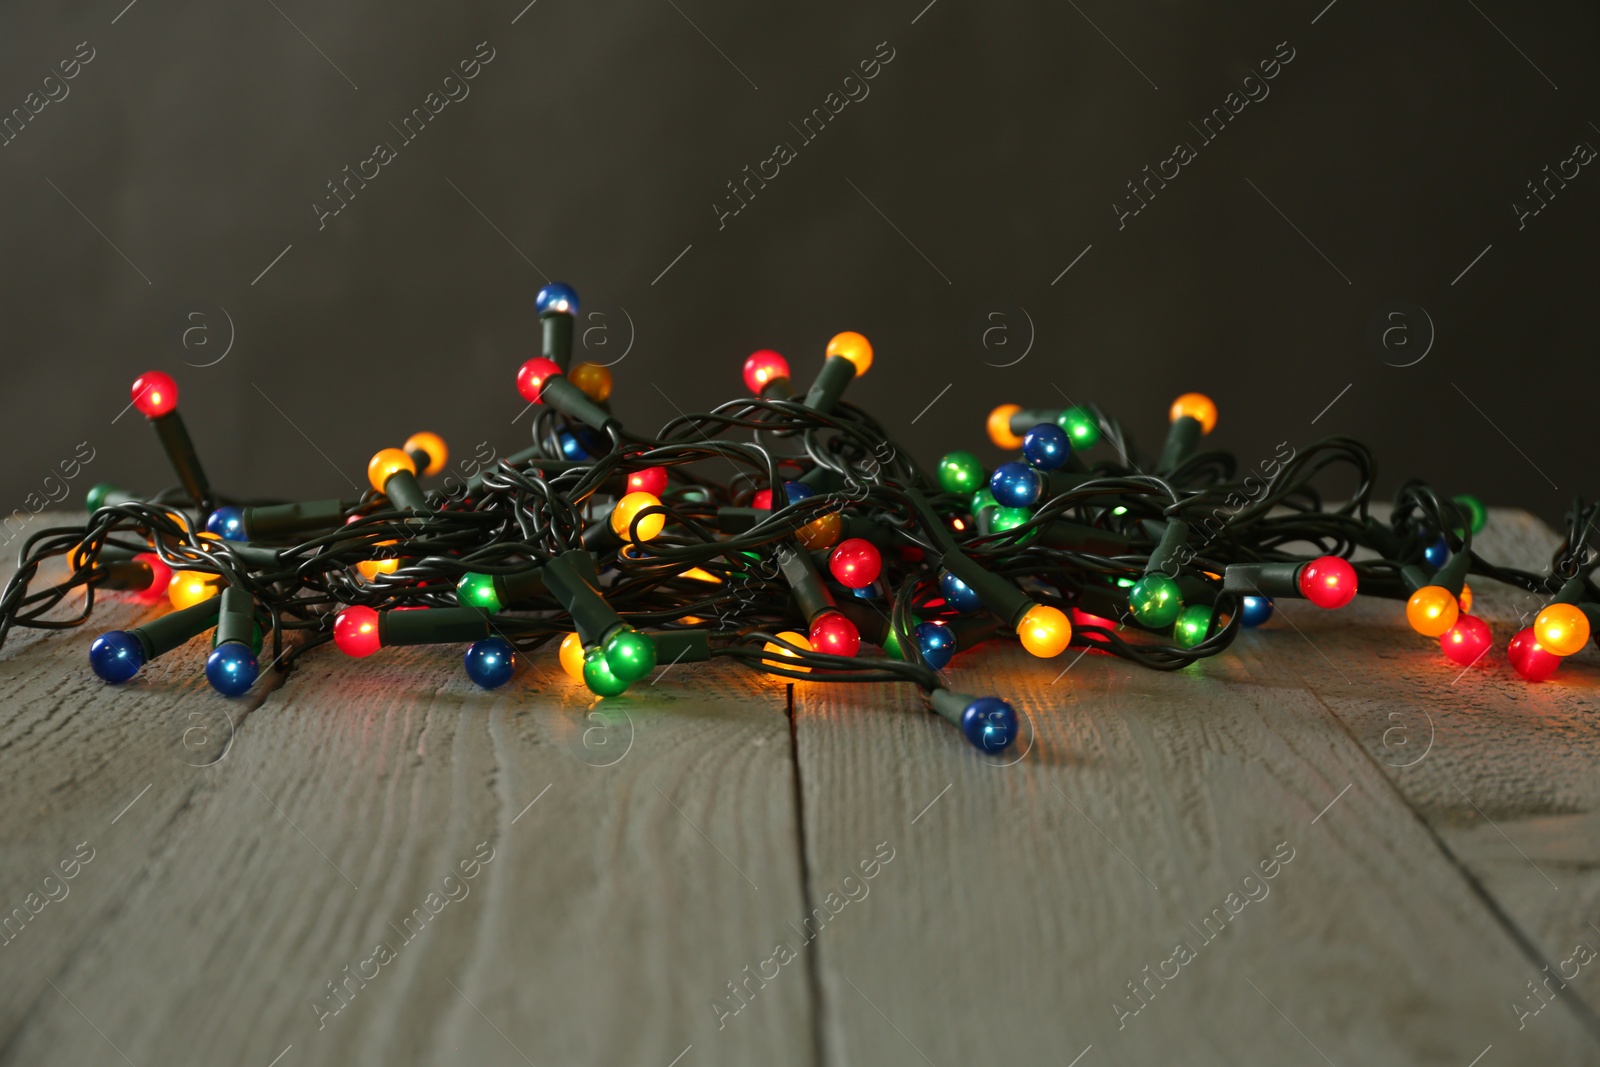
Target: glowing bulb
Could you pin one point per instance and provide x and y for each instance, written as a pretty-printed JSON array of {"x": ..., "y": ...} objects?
[
  {"x": 652, "y": 480},
  {"x": 572, "y": 656},
  {"x": 821, "y": 532},
  {"x": 383, "y": 465},
  {"x": 557, "y": 296},
  {"x": 1081, "y": 427},
  {"x": 1328, "y": 582},
  {"x": 1432, "y": 610},
  {"x": 772, "y": 649},
  {"x": 630, "y": 654},
  {"x": 1198, "y": 407},
  {"x": 1477, "y": 514},
  {"x": 700, "y": 574},
  {"x": 433, "y": 445},
  {"x": 532, "y": 376},
  {"x": 999, "y": 427},
  {"x": 959, "y": 472},
  {"x": 1529, "y": 658},
  {"x": 597, "y": 675},
  {"x": 1465, "y": 599},
  {"x": 1467, "y": 640},
  {"x": 855, "y": 563},
  {"x": 1156, "y": 601},
  {"x": 474, "y": 590},
  {"x": 160, "y": 578},
  {"x": 154, "y": 394},
  {"x": 1192, "y": 626},
  {"x": 188, "y": 588},
  {"x": 355, "y": 631},
  {"x": 855, "y": 348},
  {"x": 834, "y": 634},
  {"x": 763, "y": 368},
  {"x": 1005, "y": 519},
  {"x": 1561, "y": 629},
  {"x": 593, "y": 379},
  {"x": 371, "y": 568},
  {"x": 628, "y": 507},
  {"x": 1045, "y": 631}
]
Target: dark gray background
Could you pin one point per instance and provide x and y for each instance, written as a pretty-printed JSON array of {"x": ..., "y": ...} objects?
[{"x": 995, "y": 142}]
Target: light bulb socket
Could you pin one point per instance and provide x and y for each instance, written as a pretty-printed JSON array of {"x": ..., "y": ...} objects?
[
  {"x": 432, "y": 626},
  {"x": 132, "y": 574},
  {"x": 805, "y": 581},
  {"x": 1183, "y": 436},
  {"x": 823, "y": 479},
  {"x": 998, "y": 594},
  {"x": 1414, "y": 576},
  {"x": 236, "y": 616},
  {"x": 176, "y": 627},
  {"x": 600, "y": 539},
  {"x": 574, "y": 403},
  {"x": 573, "y": 580},
  {"x": 1076, "y": 537},
  {"x": 282, "y": 520},
  {"x": 950, "y": 705},
  {"x": 404, "y": 492},
  {"x": 520, "y": 585},
  {"x": 681, "y": 646},
  {"x": 556, "y": 327},
  {"x": 777, "y": 389},
  {"x": 1572, "y": 591},
  {"x": 1453, "y": 575},
  {"x": 836, "y": 375},
  {"x": 1279, "y": 579},
  {"x": 1174, "y": 540},
  {"x": 185, "y": 461}
]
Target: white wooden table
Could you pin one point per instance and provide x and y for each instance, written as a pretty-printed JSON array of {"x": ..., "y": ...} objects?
[{"x": 642, "y": 870}]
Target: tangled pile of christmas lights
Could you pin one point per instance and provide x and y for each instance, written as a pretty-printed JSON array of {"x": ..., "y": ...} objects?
[{"x": 787, "y": 532}]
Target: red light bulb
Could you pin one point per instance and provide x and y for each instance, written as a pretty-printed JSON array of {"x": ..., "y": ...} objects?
[
  {"x": 652, "y": 480},
  {"x": 1529, "y": 658},
  {"x": 855, "y": 562},
  {"x": 1328, "y": 582},
  {"x": 1467, "y": 640},
  {"x": 154, "y": 394},
  {"x": 533, "y": 375},
  {"x": 763, "y": 367},
  {"x": 834, "y": 634},
  {"x": 762, "y": 500},
  {"x": 160, "y": 578},
  {"x": 355, "y": 631}
]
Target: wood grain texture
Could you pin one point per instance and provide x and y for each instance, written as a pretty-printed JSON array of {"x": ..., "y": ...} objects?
[{"x": 1025, "y": 899}]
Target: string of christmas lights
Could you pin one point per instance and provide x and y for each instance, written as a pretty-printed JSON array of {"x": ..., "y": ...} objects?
[{"x": 786, "y": 531}]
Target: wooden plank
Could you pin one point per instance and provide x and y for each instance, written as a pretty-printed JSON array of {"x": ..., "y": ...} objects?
[
  {"x": 643, "y": 854},
  {"x": 1022, "y": 902}
]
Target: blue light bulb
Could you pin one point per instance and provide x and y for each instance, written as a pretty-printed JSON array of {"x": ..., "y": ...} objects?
[
  {"x": 1016, "y": 485},
  {"x": 1046, "y": 446},
  {"x": 227, "y": 523},
  {"x": 797, "y": 491},
  {"x": 937, "y": 643},
  {"x": 231, "y": 668},
  {"x": 1254, "y": 610},
  {"x": 116, "y": 656},
  {"x": 958, "y": 594},
  {"x": 557, "y": 296},
  {"x": 1437, "y": 553},
  {"x": 989, "y": 723},
  {"x": 571, "y": 447},
  {"x": 491, "y": 662}
]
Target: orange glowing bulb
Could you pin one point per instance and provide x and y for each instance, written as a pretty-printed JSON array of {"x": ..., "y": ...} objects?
[
  {"x": 433, "y": 445},
  {"x": 1432, "y": 610},
  {"x": 1465, "y": 599},
  {"x": 572, "y": 656},
  {"x": 1561, "y": 629},
  {"x": 822, "y": 532},
  {"x": 188, "y": 588},
  {"x": 854, "y": 347},
  {"x": 1045, "y": 631},
  {"x": 383, "y": 465},
  {"x": 628, "y": 507},
  {"x": 773, "y": 649},
  {"x": 700, "y": 574},
  {"x": 593, "y": 379},
  {"x": 999, "y": 426},
  {"x": 1198, "y": 407}
]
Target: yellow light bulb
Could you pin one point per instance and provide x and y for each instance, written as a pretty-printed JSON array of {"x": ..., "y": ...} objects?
[
  {"x": 1197, "y": 406},
  {"x": 854, "y": 347},
  {"x": 999, "y": 427},
  {"x": 700, "y": 574},
  {"x": 623, "y": 514},
  {"x": 1432, "y": 610},
  {"x": 433, "y": 445},
  {"x": 1045, "y": 631},
  {"x": 1561, "y": 629},
  {"x": 572, "y": 657},
  {"x": 1465, "y": 599},
  {"x": 593, "y": 379},
  {"x": 776, "y": 653},
  {"x": 188, "y": 588},
  {"x": 384, "y": 463},
  {"x": 822, "y": 532}
]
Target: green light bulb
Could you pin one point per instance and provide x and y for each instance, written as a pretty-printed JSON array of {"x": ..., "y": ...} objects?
[
  {"x": 95, "y": 499},
  {"x": 960, "y": 472},
  {"x": 477, "y": 591},
  {"x": 598, "y": 677},
  {"x": 891, "y": 645},
  {"x": 1477, "y": 514},
  {"x": 1081, "y": 428},
  {"x": 1156, "y": 601},
  {"x": 1192, "y": 626},
  {"x": 983, "y": 499},
  {"x": 630, "y": 655},
  {"x": 1009, "y": 519}
]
